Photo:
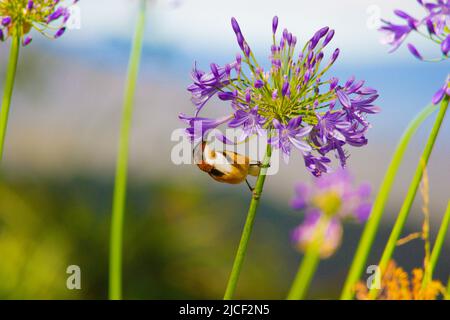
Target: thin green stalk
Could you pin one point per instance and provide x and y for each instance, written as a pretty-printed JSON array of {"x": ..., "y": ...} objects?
[
  {"x": 371, "y": 228},
  {"x": 243, "y": 244},
  {"x": 8, "y": 90},
  {"x": 406, "y": 207},
  {"x": 447, "y": 296},
  {"x": 309, "y": 263},
  {"x": 115, "y": 264},
  {"x": 439, "y": 243}
]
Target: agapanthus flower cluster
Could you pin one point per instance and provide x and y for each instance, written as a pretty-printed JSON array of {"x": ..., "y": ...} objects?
[
  {"x": 334, "y": 197},
  {"x": 435, "y": 25},
  {"x": 292, "y": 102},
  {"x": 19, "y": 17}
]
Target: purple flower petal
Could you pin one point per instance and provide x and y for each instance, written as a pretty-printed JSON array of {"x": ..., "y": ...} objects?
[
  {"x": 414, "y": 51},
  {"x": 344, "y": 99},
  {"x": 445, "y": 45},
  {"x": 274, "y": 24}
]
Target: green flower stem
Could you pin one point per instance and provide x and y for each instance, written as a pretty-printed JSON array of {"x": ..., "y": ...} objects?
[
  {"x": 373, "y": 223},
  {"x": 115, "y": 263},
  {"x": 243, "y": 244},
  {"x": 8, "y": 90},
  {"x": 404, "y": 211},
  {"x": 447, "y": 296},
  {"x": 437, "y": 248},
  {"x": 309, "y": 263}
]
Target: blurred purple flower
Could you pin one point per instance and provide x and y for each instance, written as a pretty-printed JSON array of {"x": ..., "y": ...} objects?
[
  {"x": 303, "y": 236},
  {"x": 334, "y": 199},
  {"x": 334, "y": 195},
  {"x": 435, "y": 25},
  {"x": 46, "y": 16}
]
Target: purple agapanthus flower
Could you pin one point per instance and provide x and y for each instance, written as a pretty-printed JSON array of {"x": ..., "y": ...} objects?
[
  {"x": 335, "y": 197},
  {"x": 292, "y": 103},
  {"x": 434, "y": 24},
  {"x": 436, "y": 27},
  {"x": 48, "y": 17}
]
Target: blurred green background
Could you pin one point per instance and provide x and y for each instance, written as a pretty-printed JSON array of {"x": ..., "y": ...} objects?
[{"x": 180, "y": 241}]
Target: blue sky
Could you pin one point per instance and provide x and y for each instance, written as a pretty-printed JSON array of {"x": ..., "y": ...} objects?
[
  {"x": 181, "y": 32},
  {"x": 203, "y": 25}
]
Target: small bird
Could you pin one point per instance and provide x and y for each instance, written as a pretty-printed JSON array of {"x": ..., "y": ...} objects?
[{"x": 225, "y": 166}]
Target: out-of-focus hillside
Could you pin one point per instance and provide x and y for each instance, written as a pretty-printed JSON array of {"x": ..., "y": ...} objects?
[{"x": 180, "y": 241}]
